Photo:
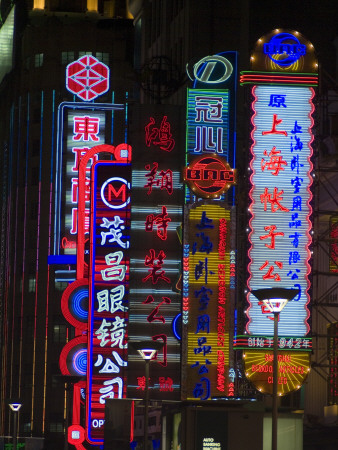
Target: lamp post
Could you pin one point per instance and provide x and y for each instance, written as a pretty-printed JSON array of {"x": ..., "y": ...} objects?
[
  {"x": 275, "y": 299},
  {"x": 147, "y": 349},
  {"x": 15, "y": 407}
]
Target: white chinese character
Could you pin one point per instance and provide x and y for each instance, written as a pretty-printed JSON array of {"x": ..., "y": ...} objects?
[
  {"x": 111, "y": 302},
  {"x": 209, "y": 109},
  {"x": 117, "y": 332},
  {"x": 282, "y": 342},
  {"x": 115, "y": 230},
  {"x": 107, "y": 391},
  {"x": 109, "y": 366},
  {"x": 102, "y": 333},
  {"x": 116, "y": 272}
]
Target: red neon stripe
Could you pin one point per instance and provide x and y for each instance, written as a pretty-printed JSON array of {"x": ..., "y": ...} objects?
[{"x": 132, "y": 414}]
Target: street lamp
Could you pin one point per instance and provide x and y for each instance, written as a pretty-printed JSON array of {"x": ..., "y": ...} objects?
[
  {"x": 147, "y": 349},
  {"x": 275, "y": 299},
  {"x": 15, "y": 407}
]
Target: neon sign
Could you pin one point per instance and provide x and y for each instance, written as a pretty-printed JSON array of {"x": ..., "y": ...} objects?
[
  {"x": 207, "y": 305},
  {"x": 209, "y": 176},
  {"x": 284, "y": 49},
  {"x": 280, "y": 203},
  {"x": 87, "y": 78},
  {"x": 293, "y": 368},
  {"x": 212, "y": 69},
  {"x": 109, "y": 290}
]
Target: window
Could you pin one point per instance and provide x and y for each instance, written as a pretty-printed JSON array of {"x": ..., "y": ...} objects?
[
  {"x": 56, "y": 427},
  {"x": 67, "y": 57},
  {"x": 103, "y": 57},
  {"x": 31, "y": 284},
  {"x": 84, "y": 53},
  {"x": 61, "y": 285},
  {"x": 59, "y": 333},
  {"x": 38, "y": 60}
]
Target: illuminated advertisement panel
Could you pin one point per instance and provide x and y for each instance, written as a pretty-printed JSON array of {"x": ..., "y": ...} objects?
[
  {"x": 293, "y": 368},
  {"x": 206, "y": 302},
  {"x": 108, "y": 290},
  {"x": 333, "y": 266},
  {"x": 85, "y": 130},
  {"x": 280, "y": 204},
  {"x": 155, "y": 298}
]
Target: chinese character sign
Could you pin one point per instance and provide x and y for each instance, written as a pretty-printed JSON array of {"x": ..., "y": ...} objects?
[
  {"x": 109, "y": 290},
  {"x": 85, "y": 130},
  {"x": 206, "y": 308},
  {"x": 155, "y": 304},
  {"x": 280, "y": 204}
]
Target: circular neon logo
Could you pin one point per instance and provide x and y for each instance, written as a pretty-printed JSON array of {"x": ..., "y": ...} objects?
[
  {"x": 209, "y": 176},
  {"x": 284, "y": 49},
  {"x": 115, "y": 193}
]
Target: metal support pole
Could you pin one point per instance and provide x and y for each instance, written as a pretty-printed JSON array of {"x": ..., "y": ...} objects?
[
  {"x": 15, "y": 431},
  {"x": 275, "y": 382},
  {"x": 146, "y": 406}
]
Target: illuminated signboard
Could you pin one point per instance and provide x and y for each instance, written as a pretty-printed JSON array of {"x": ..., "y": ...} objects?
[
  {"x": 87, "y": 78},
  {"x": 332, "y": 355},
  {"x": 206, "y": 308},
  {"x": 85, "y": 130},
  {"x": 155, "y": 300},
  {"x": 283, "y": 52},
  {"x": 108, "y": 290},
  {"x": 333, "y": 266},
  {"x": 280, "y": 204},
  {"x": 293, "y": 368}
]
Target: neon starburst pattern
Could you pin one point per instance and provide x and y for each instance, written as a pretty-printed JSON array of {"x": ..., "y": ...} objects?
[{"x": 87, "y": 78}]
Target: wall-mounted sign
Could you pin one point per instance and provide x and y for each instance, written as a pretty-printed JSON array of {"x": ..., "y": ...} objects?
[
  {"x": 209, "y": 176},
  {"x": 155, "y": 307},
  {"x": 280, "y": 204},
  {"x": 293, "y": 368},
  {"x": 87, "y": 78},
  {"x": 207, "y": 305},
  {"x": 108, "y": 290},
  {"x": 284, "y": 51}
]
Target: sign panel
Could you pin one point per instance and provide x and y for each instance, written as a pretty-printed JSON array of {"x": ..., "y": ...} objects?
[
  {"x": 293, "y": 368},
  {"x": 280, "y": 204},
  {"x": 108, "y": 290},
  {"x": 206, "y": 308},
  {"x": 155, "y": 307}
]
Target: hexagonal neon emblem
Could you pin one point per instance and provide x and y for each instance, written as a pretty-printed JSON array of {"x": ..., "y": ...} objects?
[{"x": 87, "y": 78}]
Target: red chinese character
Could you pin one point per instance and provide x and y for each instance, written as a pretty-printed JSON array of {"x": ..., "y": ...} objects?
[
  {"x": 153, "y": 315},
  {"x": 160, "y": 137},
  {"x": 276, "y": 162},
  {"x": 74, "y": 221},
  {"x": 166, "y": 384},
  {"x": 161, "y": 221},
  {"x": 274, "y": 199},
  {"x": 164, "y": 338},
  {"x": 79, "y": 153},
  {"x": 141, "y": 383},
  {"x": 273, "y": 129},
  {"x": 75, "y": 190},
  {"x": 86, "y": 128},
  {"x": 155, "y": 263},
  {"x": 271, "y": 234},
  {"x": 269, "y": 274},
  {"x": 165, "y": 180}
]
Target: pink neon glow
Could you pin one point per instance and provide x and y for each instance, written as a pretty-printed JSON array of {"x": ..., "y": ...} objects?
[
  {"x": 122, "y": 153},
  {"x": 270, "y": 228}
]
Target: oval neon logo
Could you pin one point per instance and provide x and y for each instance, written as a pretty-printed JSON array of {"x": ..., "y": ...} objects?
[{"x": 212, "y": 69}]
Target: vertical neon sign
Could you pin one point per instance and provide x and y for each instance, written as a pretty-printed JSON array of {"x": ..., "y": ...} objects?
[{"x": 108, "y": 290}]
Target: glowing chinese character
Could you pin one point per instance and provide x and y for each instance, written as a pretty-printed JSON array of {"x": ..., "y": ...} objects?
[
  {"x": 276, "y": 162},
  {"x": 270, "y": 273},
  {"x": 108, "y": 390},
  {"x": 115, "y": 231},
  {"x": 272, "y": 235},
  {"x": 165, "y": 180},
  {"x": 277, "y": 100},
  {"x": 274, "y": 199},
  {"x": 166, "y": 384},
  {"x": 111, "y": 301},
  {"x": 161, "y": 221},
  {"x": 153, "y": 315},
  {"x": 160, "y": 137},
  {"x": 79, "y": 152},
  {"x": 86, "y": 128},
  {"x": 75, "y": 190},
  {"x": 209, "y": 109},
  {"x": 109, "y": 366},
  {"x": 273, "y": 130},
  {"x": 155, "y": 263},
  {"x": 116, "y": 271},
  {"x": 74, "y": 220}
]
